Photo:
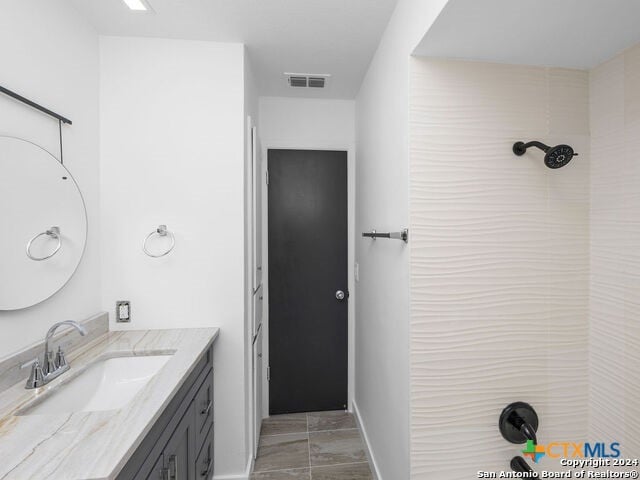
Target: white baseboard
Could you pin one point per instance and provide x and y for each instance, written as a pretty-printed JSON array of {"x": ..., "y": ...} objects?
[
  {"x": 367, "y": 445},
  {"x": 240, "y": 476}
]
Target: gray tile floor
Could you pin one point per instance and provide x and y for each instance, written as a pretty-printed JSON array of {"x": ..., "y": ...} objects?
[{"x": 311, "y": 446}]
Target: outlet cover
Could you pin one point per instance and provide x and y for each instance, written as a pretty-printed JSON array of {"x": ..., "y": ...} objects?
[{"x": 123, "y": 311}]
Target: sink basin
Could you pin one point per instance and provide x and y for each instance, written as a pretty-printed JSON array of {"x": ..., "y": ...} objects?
[{"x": 108, "y": 384}]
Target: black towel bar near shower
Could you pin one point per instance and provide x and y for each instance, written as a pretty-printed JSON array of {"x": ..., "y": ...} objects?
[{"x": 401, "y": 235}]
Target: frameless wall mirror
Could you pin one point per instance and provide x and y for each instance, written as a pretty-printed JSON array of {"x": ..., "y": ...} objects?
[{"x": 43, "y": 221}]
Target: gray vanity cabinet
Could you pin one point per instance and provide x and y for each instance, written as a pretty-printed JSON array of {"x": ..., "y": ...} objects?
[
  {"x": 179, "y": 454},
  {"x": 179, "y": 446},
  {"x": 204, "y": 463},
  {"x": 176, "y": 461},
  {"x": 157, "y": 470},
  {"x": 203, "y": 406}
]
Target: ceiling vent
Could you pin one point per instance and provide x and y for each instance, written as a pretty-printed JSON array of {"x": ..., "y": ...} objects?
[
  {"x": 307, "y": 80},
  {"x": 298, "y": 81},
  {"x": 316, "y": 82}
]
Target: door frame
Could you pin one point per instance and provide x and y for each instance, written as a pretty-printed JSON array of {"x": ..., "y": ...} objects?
[{"x": 267, "y": 145}]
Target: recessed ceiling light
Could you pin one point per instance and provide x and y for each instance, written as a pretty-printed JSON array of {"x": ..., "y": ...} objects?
[{"x": 138, "y": 5}]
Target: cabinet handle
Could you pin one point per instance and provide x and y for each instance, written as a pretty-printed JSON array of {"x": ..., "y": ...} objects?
[
  {"x": 205, "y": 472},
  {"x": 206, "y": 411},
  {"x": 173, "y": 467}
]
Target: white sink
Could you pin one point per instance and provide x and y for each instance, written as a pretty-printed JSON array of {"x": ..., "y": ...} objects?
[{"x": 105, "y": 385}]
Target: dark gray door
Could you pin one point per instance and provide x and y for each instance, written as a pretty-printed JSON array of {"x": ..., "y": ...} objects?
[{"x": 307, "y": 271}]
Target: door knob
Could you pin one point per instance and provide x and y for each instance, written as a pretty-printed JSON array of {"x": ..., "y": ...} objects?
[{"x": 340, "y": 295}]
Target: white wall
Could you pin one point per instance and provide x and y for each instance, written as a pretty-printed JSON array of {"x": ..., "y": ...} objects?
[
  {"x": 308, "y": 124},
  {"x": 615, "y": 257},
  {"x": 382, "y": 202},
  {"x": 172, "y": 136},
  {"x": 499, "y": 261},
  {"x": 50, "y": 55}
]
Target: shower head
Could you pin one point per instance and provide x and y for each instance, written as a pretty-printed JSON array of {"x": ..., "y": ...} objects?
[
  {"x": 555, "y": 157},
  {"x": 559, "y": 156}
]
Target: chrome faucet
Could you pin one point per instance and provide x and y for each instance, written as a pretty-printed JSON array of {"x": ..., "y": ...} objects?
[{"x": 53, "y": 366}]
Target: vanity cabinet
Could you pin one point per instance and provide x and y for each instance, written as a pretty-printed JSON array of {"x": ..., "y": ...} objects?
[
  {"x": 180, "y": 443},
  {"x": 177, "y": 460},
  {"x": 204, "y": 463}
]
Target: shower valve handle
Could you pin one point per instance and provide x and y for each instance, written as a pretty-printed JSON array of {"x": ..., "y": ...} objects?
[{"x": 519, "y": 423}]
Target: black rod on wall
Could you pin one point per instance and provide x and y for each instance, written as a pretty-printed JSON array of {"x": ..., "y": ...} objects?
[
  {"x": 401, "y": 235},
  {"x": 26, "y": 101}
]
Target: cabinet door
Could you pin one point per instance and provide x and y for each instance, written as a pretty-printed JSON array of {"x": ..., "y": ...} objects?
[
  {"x": 179, "y": 454},
  {"x": 203, "y": 404},
  {"x": 157, "y": 472},
  {"x": 204, "y": 464}
]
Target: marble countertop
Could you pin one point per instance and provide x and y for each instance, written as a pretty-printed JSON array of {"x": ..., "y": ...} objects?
[{"x": 95, "y": 445}]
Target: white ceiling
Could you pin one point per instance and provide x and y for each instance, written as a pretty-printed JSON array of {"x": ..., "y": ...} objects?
[
  {"x": 559, "y": 33},
  {"x": 302, "y": 36}
]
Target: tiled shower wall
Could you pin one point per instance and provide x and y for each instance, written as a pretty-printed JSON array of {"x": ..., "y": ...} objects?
[
  {"x": 615, "y": 252},
  {"x": 499, "y": 261}
]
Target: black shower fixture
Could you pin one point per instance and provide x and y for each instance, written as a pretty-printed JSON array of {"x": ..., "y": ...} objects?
[
  {"x": 519, "y": 423},
  {"x": 519, "y": 464},
  {"x": 556, "y": 157}
]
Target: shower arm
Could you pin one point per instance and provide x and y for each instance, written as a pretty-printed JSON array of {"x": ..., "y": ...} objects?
[{"x": 520, "y": 148}]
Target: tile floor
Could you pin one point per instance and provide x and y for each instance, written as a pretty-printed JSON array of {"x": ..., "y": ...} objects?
[{"x": 311, "y": 446}]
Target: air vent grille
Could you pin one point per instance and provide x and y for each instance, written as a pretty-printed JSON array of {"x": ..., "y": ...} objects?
[
  {"x": 307, "y": 80},
  {"x": 316, "y": 82},
  {"x": 298, "y": 81}
]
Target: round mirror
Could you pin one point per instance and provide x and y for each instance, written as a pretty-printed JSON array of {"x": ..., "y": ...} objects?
[{"x": 43, "y": 222}]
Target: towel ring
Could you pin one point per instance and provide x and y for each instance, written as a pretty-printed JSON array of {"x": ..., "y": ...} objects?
[
  {"x": 53, "y": 232},
  {"x": 162, "y": 232}
]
